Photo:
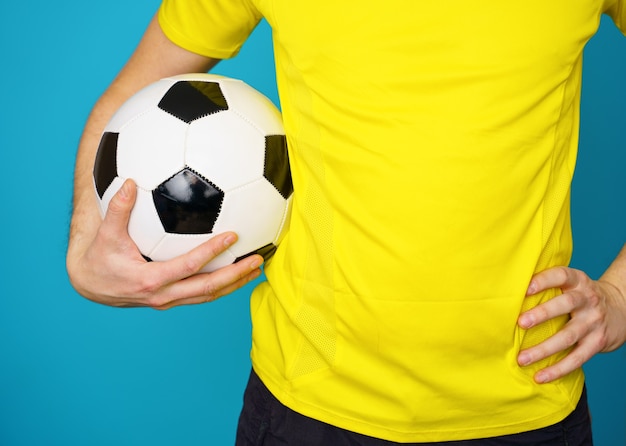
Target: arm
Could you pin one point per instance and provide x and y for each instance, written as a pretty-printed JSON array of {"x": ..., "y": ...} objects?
[
  {"x": 103, "y": 263},
  {"x": 597, "y": 310}
]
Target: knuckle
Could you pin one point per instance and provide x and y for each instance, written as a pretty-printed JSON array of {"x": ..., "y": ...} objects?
[
  {"x": 190, "y": 266},
  {"x": 577, "y": 359},
  {"x": 602, "y": 342},
  {"x": 156, "y": 302},
  {"x": 570, "y": 338},
  {"x": 541, "y": 313},
  {"x": 582, "y": 280},
  {"x": 116, "y": 205},
  {"x": 215, "y": 248},
  {"x": 598, "y": 321},
  {"x": 210, "y": 291},
  {"x": 594, "y": 298},
  {"x": 570, "y": 300},
  {"x": 149, "y": 285},
  {"x": 562, "y": 273},
  {"x": 576, "y": 272}
]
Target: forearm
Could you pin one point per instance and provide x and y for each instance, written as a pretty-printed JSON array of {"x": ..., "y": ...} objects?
[
  {"x": 615, "y": 277},
  {"x": 156, "y": 57},
  {"x": 85, "y": 216}
]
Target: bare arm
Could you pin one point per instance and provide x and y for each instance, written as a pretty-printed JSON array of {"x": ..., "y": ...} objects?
[{"x": 102, "y": 262}]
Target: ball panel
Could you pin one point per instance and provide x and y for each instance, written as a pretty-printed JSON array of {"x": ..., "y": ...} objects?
[
  {"x": 225, "y": 149},
  {"x": 149, "y": 148},
  {"x": 192, "y": 99},
  {"x": 173, "y": 245},
  {"x": 105, "y": 166},
  {"x": 253, "y": 106},
  {"x": 187, "y": 203},
  {"x": 282, "y": 230},
  {"x": 224, "y": 259},
  {"x": 256, "y": 212},
  {"x": 145, "y": 99},
  {"x": 276, "y": 168}
]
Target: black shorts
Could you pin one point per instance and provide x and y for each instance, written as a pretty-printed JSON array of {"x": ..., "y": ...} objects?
[{"x": 264, "y": 421}]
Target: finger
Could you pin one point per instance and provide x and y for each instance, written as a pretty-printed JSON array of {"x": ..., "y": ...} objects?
[
  {"x": 575, "y": 359},
  {"x": 214, "y": 294},
  {"x": 170, "y": 280},
  {"x": 559, "y": 305},
  {"x": 192, "y": 262},
  {"x": 566, "y": 338},
  {"x": 207, "y": 287},
  {"x": 557, "y": 277}
]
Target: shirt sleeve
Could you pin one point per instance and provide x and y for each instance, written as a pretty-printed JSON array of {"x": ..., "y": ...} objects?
[
  {"x": 212, "y": 28},
  {"x": 616, "y": 9}
]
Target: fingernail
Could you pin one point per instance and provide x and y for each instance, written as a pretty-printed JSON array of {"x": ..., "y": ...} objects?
[
  {"x": 526, "y": 320},
  {"x": 124, "y": 190},
  {"x": 541, "y": 378},
  {"x": 531, "y": 289},
  {"x": 523, "y": 359},
  {"x": 229, "y": 239},
  {"x": 256, "y": 262}
]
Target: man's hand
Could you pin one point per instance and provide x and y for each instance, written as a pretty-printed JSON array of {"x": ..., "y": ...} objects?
[
  {"x": 597, "y": 322},
  {"x": 111, "y": 270}
]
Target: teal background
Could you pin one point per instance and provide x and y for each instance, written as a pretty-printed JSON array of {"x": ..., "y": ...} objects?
[{"x": 76, "y": 373}]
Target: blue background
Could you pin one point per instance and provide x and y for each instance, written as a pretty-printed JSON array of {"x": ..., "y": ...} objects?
[{"x": 77, "y": 373}]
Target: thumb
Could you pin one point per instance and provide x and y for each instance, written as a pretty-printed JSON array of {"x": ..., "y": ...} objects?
[{"x": 120, "y": 206}]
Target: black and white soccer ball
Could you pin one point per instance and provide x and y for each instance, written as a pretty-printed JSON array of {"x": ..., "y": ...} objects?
[{"x": 208, "y": 154}]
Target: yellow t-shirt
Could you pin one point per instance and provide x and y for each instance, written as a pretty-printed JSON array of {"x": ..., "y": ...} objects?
[{"x": 432, "y": 147}]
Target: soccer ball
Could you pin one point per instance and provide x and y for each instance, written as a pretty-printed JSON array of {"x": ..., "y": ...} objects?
[{"x": 208, "y": 154}]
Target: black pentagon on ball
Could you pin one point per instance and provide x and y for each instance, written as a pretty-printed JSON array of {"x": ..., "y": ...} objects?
[
  {"x": 191, "y": 100},
  {"x": 266, "y": 252},
  {"x": 187, "y": 203},
  {"x": 105, "y": 165},
  {"x": 276, "y": 169}
]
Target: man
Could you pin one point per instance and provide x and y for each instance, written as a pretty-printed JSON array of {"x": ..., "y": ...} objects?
[{"x": 422, "y": 293}]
